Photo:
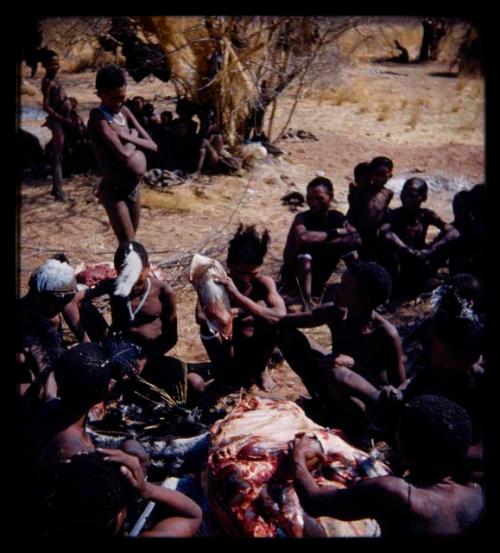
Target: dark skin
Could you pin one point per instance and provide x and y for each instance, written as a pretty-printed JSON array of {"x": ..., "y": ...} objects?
[
  {"x": 255, "y": 312},
  {"x": 58, "y": 106},
  {"x": 366, "y": 352},
  {"x": 318, "y": 199},
  {"x": 181, "y": 516},
  {"x": 155, "y": 325},
  {"x": 372, "y": 201},
  {"x": 409, "y": 239},
  {"x": 210, "y": 147},
  {"x": 51, "y": 307},
  {"x": 450, "y": 371},
  {"x": 438, "y": 505},
  {"x": 119, "y": 153},
  {"x": 67, "y": 437}
]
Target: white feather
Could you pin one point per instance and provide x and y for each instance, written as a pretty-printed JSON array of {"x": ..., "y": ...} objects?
[
  {"x": 54, "y": 276},
  {"x": 129, "y": 274}
]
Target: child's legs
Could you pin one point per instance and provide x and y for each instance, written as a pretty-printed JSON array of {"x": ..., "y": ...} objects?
[
  {"x": 305, "y": 357},
  {"x": 168, "y": 373},
  {"x": 196, "y": 388},
  {"x": 220, "y": 353},
  {"x": 212, "y": 148},
  {"x": 57, "y": 156},
  {"x": 252, "y": 353},
  {"x": 351, "y": 394},
  {"x": 304, "y": 275},
  {"x": 119, "y": 215},
  {"x": 134, "y": 207},
  {"x": 414, "y": 274}
]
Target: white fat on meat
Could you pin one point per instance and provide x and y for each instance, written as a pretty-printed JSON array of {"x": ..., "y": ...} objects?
[{"x": 246, "y": 476}]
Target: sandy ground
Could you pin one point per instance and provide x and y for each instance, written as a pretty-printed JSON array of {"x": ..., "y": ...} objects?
[{"x": 430, "y": 125}]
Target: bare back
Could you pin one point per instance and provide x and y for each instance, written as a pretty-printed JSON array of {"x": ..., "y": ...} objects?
[{"x": 446, "y": 508}]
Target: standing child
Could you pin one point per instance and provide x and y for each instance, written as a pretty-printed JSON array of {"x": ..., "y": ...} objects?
[
  {"x": 369, "y": 203},
  {"x": 117, "y": 141},
  {"x": 58, "y": 106},
  {"x": 316, "y": 241},
  {"x": 407, "y": 256}
]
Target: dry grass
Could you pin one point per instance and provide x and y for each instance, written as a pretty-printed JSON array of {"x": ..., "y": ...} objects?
[
  {"x": 178, "y": 201},
  {"x": 385, "y": 110},
  {"x": 355, "y": 93}
]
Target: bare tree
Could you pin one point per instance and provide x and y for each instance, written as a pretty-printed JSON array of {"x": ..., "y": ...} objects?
[{"x": 241, "y": 65}]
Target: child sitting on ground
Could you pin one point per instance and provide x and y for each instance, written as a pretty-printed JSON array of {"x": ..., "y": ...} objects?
[
  {"x": 50, "y": 298},
  {"x": 366, "y": 348},
  {"x": 144, "y": 313},
  {"x": 407, "y": 256},
  {"x": 317, "y": 240},
  {"x": 369, "y": 203},
  {"x": 244, "y": 357}
]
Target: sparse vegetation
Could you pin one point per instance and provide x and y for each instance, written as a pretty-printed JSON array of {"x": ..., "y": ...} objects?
[{"x": 384, "y": 112}]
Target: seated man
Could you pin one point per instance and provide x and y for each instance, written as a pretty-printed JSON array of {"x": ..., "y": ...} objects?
[
  {"x": 433, "y": 437},
  {"x": 407, "y": 256},
  {"x": 244, "y": 357},
  {"x": 143, "y": 312},
  {"x": 366, "y": 348},
  {"x": 51, "y": 297},
  {"x": 316, "y": 241}
]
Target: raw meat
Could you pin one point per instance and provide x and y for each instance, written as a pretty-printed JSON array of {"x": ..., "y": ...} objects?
[
  {"x": 212, "y": 296},
  {"x": 247, "y": 479}
]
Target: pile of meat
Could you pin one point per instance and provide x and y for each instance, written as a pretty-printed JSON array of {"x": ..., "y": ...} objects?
[
  {"x": 90, "y": 274},
  {"x": 247, "y": 479}
]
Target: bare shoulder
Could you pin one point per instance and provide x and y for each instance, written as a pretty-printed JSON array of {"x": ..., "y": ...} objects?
[
  {"x": 267, "y": 282},
  {"x": 95, "y": 115},
  {"x": 392, "y": 487},
  {"x": 299, "y": 219},
  {"x": 385, "y": 327},
  {"x": 163, "y": 288},
  {"x": 387, "y": 193}
]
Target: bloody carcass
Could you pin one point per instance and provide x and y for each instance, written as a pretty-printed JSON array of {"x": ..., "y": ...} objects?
[
  {"x": 212, "y": 296},
  {"x": 248, "y": 482},
  {"x": 91, "y": 274}
]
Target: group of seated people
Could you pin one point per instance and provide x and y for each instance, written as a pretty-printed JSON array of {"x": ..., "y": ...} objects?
[
  {"x": 184, "y": 145},
  {"x": 430, "y": 415}
]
